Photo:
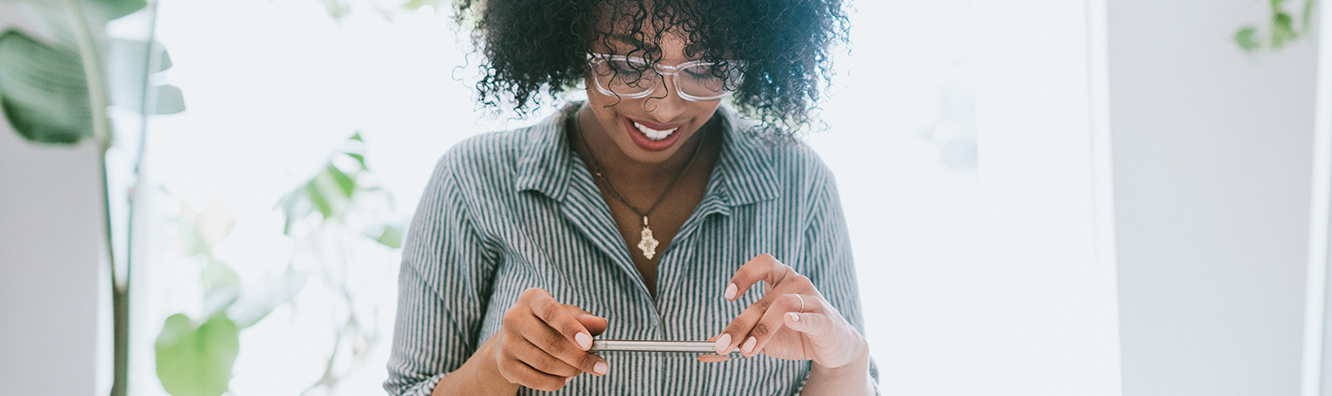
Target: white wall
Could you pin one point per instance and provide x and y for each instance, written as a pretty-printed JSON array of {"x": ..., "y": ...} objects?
[
  {"x": 1046, "y": 316},
  {"x": 50, "y": 216},
  {"x": 1212, "y": 168},
  {"x": 1317, "y": 373},
  {"x": 50, "y": 219}
]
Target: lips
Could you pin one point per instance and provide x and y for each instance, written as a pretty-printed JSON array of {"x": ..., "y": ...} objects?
[{"x": 651, "y": 136}]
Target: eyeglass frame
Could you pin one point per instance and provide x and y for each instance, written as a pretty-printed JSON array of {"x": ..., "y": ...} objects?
[{"x": 665, "y": 71}]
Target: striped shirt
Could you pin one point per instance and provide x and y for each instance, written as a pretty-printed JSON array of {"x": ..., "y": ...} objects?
[{"x": 512, "y": 210}]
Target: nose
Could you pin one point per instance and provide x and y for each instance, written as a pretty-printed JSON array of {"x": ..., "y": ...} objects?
[{"x": 667, "y": 106}]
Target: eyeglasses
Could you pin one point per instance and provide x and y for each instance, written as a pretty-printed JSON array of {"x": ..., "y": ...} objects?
[{"x": 623, "y": 76}]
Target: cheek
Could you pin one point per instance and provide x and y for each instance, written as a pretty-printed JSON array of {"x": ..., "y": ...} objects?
[
  {"x": 609, "y": 118},
  {"x": 704, "y": 111}
]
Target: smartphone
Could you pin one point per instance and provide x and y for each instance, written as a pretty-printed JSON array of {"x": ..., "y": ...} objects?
[{"x": 696, "y": 347}]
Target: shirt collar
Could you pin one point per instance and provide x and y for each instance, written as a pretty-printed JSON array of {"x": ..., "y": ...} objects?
[
  {"x": 545, "y": 161},
  {"x": 746, "y": 163},
  {"x": 744, "y": 168}
]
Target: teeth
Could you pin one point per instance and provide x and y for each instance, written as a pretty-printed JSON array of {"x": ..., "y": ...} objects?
[{"x": 653, "y": 133}]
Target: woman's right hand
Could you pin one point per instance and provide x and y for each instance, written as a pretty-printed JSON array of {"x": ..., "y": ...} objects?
[{"x": 543, "y": 344}]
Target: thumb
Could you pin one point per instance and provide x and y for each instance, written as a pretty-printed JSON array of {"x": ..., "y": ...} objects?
[{"x": 593, "y": 323}]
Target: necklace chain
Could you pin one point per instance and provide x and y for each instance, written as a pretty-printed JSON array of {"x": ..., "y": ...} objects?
[
  {"x": 648, "y": 244},
  {"x": 597, "y": 171}
]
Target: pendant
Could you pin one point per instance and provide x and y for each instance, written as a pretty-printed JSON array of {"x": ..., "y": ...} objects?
[{"x": 648, "y": 244}]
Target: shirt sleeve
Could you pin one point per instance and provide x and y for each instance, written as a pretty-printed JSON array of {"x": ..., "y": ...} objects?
[
  {"x": 829, "y": 262},
  {"x": 443, "y": 289}
]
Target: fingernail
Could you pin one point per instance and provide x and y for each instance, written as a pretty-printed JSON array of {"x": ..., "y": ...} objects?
[
  {"x": 730, "y": 292},
  {"x": 600, "y": 368},
  {"x": 794, "y": 316},
  {"x": 584, "y": 340},
  {"x": 749, "y": 345},
  {"x": 722, "y": 343}
]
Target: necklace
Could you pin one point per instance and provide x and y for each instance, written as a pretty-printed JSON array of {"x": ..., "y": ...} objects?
[{"x": 646, "y": 243}]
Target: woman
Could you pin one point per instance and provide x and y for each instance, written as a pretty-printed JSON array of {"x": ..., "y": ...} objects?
[{"x": 649, "y": 212}]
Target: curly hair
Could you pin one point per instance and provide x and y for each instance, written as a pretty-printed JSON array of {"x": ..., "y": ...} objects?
[{"x": 780, "y": 47}]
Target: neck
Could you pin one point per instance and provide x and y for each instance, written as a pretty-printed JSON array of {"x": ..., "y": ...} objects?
[{"x": 618, "y": 166}]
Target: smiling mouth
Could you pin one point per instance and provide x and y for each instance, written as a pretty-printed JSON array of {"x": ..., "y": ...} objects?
[{"x": 653, "y": 133}]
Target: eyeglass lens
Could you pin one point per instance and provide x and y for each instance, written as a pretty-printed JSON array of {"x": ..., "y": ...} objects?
[{"x": 628, "y": 77}]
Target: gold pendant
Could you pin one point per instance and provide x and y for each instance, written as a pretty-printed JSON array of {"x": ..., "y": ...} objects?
[{"x": 648, "y": 244}]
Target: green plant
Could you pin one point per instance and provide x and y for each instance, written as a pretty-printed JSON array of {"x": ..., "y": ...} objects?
[
  {"x": 330, "y": 216},
  {"x": 327, "y": 215},
  {"x": 195, "y": 357},
  {"x": 55, "y": 87},
  {"x": 1282, "y": 30},
  {"x": 340, "y": 8}
]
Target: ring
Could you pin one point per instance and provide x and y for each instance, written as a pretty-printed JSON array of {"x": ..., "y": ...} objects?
[{"x": 802, "y": 303}]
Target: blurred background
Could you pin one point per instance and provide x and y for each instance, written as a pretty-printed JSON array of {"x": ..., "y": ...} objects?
[{"x": 1092, "y": 197}]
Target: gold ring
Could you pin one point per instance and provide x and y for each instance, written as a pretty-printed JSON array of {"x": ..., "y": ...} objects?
[{"x": 802, "y": 303}]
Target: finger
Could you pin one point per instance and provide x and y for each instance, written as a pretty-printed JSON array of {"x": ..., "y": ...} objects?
[
  {"x": 813, "y": 324},
  {"x": 555, "y": 344},
  {"x": 712, "y": 358},
  {"x": 593, "y": 323},
  {"x": 763, "y": 267},
  {"x": 737, "y": 332},
  {"x": 538, "y": 359},
  {"x": 520, "y": 373},
  {"x": 770, "y": 323},
  {"x": 557, "y": 317}
]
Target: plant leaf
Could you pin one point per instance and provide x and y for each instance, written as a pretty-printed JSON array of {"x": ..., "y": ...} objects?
[
  {"x": 196, "y": 360},
  {"x": 192, "y": 240},
  {"x": 53, "y": 18},
  {"x": 359, "y": 158},
  {"x": 391, "y": 237},
  {"x": 317, "y": 197},
  {"x": 169, "y": 100},
  {"x": 345, "y": 183},
  {"x": 1283, "y": 30},
  {"x": 256, "y": 303},
  {"x": 1306, "y": 22},
  {"x": 1246, "y": 40},
  {"x": 165, "y": 61},
  {"x": 43, "y": 91},
  {"x": 221, "y": 286},
  {"x": 415, "y": 4},
  {"x": 294, "y": 205},
  {"x": 336, "y": 9},
  {"x": 102, "y": 11},
  {"x": 127, "y": 65},
  {"x": 329, "y": 191}
]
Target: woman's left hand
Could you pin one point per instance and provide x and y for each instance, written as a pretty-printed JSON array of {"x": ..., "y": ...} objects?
[{"x": 791, "y": 321}]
